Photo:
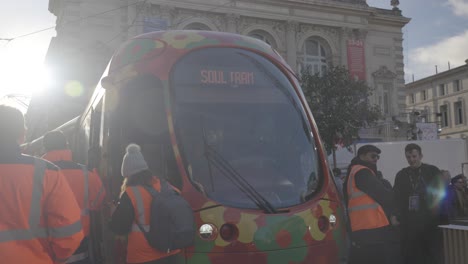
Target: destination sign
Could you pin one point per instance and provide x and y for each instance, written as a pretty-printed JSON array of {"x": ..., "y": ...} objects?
[{"x": 227, "y": 77}]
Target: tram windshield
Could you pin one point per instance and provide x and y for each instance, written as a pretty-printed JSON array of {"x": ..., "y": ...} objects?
[{"x": 242, "y": 130}]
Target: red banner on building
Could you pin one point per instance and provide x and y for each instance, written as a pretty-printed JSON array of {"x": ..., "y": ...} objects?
[{"x": 356, "y": 59}]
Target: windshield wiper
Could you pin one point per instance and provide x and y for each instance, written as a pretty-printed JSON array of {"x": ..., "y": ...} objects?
[
  {"x": 227, "y": 170},
  {"x": 240, "y": 182}
]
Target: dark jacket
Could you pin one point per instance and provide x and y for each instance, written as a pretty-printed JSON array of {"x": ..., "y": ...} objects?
[
  {"x": 430, "y": 189},
  {"x": 456, "y": 202},
  {"x": 123, "y": 216},
  {"x": 374, "y": 187}
]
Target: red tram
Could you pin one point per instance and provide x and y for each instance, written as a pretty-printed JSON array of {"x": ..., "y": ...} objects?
[{"x": 223, "y": 118}]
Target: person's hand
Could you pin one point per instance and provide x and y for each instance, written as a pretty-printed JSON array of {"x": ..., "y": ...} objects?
[
  {"x": 394, "y": 221},
  {"x": 112, "y": 207}
]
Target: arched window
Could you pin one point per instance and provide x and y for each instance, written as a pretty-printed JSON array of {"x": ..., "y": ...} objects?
[
  {"x": 315, "y": 56},
  {"x": 197, "y": 26},
  {"x": 263, "y": 36}
]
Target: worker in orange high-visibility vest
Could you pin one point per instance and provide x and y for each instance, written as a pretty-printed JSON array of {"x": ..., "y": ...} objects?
[
  {"x": 371, "y": 212},
  {"x": 134, "y": 209},
  {"x": 85, "y": 184},
  {"x": 39, "y": 216}
]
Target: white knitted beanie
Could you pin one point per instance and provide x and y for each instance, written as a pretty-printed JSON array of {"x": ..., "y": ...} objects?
[{"x": 133, "y": 161}]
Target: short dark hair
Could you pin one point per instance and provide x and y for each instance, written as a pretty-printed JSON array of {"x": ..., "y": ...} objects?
[
  {"x": 366, "y": 149},
  {"x": 12, "y": 121},
  {"x": 54, "y": 140},
  {"x": 456, "y": 178},
  {"x": 412, "y": 146}
]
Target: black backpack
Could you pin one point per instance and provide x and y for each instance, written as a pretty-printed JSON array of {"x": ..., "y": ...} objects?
[{"x": 172, "y": 225}]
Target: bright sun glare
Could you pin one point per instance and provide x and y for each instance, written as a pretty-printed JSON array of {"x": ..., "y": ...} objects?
[
  {"x": 24, "y": 79},
  {"x": 22, "y": 70}
]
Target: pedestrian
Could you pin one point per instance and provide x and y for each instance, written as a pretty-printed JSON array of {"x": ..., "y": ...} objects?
[
  {"x": 419, "y": 193},
  {"x": 445, "y": 177},
  {"x": 457, "y": 197},
  {"x": 135, "y": 202},
  {"x": 371, "y": 210},
  {"x": 85, "y": 185},
  {"x": 40, "y": 219}
]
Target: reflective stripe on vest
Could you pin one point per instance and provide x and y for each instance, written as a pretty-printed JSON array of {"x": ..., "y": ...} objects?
[
  {"x": 85, "y": 210},
  {"x": 77, "y": 257},
  {"x": 363, "y": 207},
  {"x": 140, "y": 211},
  {"x": 35, "y": 231},
  {"x": 357, "y": 194}
]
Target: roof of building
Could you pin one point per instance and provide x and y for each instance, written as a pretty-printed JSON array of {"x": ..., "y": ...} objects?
[{"x": 438, "y": 76}]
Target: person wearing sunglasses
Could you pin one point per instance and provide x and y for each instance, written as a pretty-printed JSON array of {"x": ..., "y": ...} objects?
[
  {"x": 419, "y": 190},
  {"x": 371, "y": 211}
]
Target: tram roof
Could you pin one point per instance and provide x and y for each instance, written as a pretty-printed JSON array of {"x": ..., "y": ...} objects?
[{"x": 180, "y": 42}]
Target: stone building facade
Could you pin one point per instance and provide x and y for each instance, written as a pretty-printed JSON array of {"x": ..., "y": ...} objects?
[
  {"x": 441, "y": 99},
  {"x": 315, "y": 33}
]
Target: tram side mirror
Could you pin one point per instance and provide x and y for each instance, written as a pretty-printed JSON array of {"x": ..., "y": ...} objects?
[{"x": 107, "y": 82}]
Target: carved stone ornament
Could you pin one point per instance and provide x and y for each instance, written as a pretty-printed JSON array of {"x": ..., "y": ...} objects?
[
  {"x": 168, "y": 10},
  {"x": 232, "y": 20},
  {"x": 331, "y": 33},
  {"x": 384, "y": 73}
]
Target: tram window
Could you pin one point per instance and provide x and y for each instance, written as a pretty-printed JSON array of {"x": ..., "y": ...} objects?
[
  {"x": 141, "y": 119},
  {"x": 94, "y": 151},
  {"x": 80, "y": 151},
  {"x": 242, "y": 112}
]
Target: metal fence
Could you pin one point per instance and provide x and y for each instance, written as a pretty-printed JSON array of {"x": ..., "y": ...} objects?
[{"x": 456, "y": 242}]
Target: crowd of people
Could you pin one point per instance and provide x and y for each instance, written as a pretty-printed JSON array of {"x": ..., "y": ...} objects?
[
  {"x": 47, "y": 202},
  {"x": 400, "y": 223}
]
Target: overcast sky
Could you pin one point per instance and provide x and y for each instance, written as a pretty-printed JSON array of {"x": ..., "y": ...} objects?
[{"x": 436, "y": 35}]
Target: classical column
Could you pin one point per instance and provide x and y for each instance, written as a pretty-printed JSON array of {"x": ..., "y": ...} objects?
[
  {"x": 167, "y": 14},
  {"x": 345, "y": 34},
  {"x": 132, "y": 12},
  {"x": 291, "y": 44},
  {"x": 231, "y": 25}
]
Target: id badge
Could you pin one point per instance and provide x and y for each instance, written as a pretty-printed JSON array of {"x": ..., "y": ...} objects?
[{"x": 413, "y": 203}]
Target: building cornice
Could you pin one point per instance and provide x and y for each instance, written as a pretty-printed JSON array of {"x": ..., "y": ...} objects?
[
  {"x": 438, "y": 76},
  {"x": 286, "y": 11},
  {"x": 378, "y": 15},
  {"x": 54, "y": 6}
]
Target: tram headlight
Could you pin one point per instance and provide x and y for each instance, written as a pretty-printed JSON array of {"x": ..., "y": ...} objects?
[
  {"x": 332, "y": 220},
  {"x": 207, "y": 232}
]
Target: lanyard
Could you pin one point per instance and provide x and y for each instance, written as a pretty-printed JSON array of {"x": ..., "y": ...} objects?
[{"x": 415, "y": 182}]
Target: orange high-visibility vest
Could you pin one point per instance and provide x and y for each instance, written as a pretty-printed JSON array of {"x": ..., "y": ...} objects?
[
  {"x": 86, "y": 185},
  {"x": 364, "y": 212},
  {"x": 40, "y": 219},
  {"x": 138, "y": 249}
]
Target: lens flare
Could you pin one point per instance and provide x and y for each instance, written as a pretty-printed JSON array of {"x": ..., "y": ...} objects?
[{"x": 74, "y": 88}]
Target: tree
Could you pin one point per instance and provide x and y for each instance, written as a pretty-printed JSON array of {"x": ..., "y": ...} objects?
[{"x": 340, "y": 106}]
